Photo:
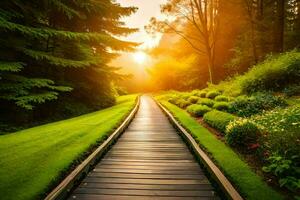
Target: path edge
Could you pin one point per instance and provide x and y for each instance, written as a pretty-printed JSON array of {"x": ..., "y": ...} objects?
[
  {"x": 63, "y": 189},
  {"x": 216, "y": 173}
]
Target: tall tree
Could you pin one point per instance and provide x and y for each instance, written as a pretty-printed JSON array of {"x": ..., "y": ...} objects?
[
  {"x": 54, "y": 46},
  {"x": 279, "y": 26},
  {"x": 202, "y": 16}
]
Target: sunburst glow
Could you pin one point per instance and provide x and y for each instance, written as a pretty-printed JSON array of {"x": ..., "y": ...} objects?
[{"x": 140, "y": 57}]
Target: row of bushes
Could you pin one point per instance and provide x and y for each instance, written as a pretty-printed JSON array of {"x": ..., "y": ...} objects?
[
  {"x": 275, "y": 134},
  {"x": 238, "y": 132},
  {"x": 218, "y": 119},
  {"x": 246, "y": 106},
  {"x": 242, "y": 106},
  {"x": 219, "y": 102},
  {"x": 246, "y": 111}
]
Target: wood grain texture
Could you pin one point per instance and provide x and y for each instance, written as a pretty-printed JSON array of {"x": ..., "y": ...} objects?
[
  {"x": 149, "y": 161},
  {"x": 219, "y": 177}
]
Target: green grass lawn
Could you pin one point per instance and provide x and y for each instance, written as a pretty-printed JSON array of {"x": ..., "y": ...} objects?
[
  {"x": 33, "y": 159},
  {"x": 250, "y": 185}
]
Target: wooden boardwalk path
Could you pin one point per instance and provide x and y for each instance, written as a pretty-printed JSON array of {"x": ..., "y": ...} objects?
[{"x": 149, "y": 161}]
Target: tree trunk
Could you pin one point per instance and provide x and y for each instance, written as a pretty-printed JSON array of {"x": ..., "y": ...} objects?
[{"x": 279, "y": 29}]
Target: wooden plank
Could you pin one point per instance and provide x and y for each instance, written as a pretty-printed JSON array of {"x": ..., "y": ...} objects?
[
  {"x": 170, "y": 167},
  {"x": 149, "y": 171},
  {"x": 89, "y": 179},
  {"x": 62, "y": 190},
  {"x": 181, "y": 187},
  {"x": 174, "y": 193},
  {"x": 147, "y": 176},
  {"x": 127, "y": 197},
  {"x": 225, "y": 184},
  {"x": 149, "y": 161},
  {"x": 106, "y": 162}
]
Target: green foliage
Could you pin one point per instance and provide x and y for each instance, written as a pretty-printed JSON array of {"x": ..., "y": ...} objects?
[
  {"x": 33, "y": 153},
  {"x": 21, "y": 94},
  {"x": 212, "y": 94},
  {"x": 11, "y": 66},
  {"x": 245, "y": 106},
  {"x": 198, "y": 110},
  {"x": 221, "y": 106},
  {"x": 273, "y": 74},
  {"x": 174, "y": 99},
  {"x": 202, "y": 94},
  {"x": 282, "y": 127},
  {"x": 182, "y": 103},
  {"x": 218, "y": 119},
  {"x": 199, "y": 93},
  {"x": 49, "y": 47},
  {"x": 250, "y": 184},
  {"x": 292, "y": 90},
  {"x": 207, "y": 102},
  {"x": 286, "y": 170},
  {"x": 196, "y": 93},
  {"x": 241, "y": 133},
  {"x": 62, "y": 62},
  {"x": 193, "y": 99},
  {"x": 222, "y": 98}
]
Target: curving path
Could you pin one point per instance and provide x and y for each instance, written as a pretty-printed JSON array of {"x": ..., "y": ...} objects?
[{"x": 149, "y": 161}]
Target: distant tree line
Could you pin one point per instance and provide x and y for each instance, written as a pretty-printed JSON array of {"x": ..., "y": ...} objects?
[
  {"x": 227, "y": 36},
  {"x": 54, "y": 57}
]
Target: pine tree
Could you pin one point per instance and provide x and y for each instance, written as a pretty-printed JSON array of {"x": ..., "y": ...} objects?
[{"x": 54, "y": 46}]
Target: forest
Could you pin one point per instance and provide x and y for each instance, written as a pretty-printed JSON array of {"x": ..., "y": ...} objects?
[
  {"x": 103, "y": 88},
  {"x": 54, "y": 59}
]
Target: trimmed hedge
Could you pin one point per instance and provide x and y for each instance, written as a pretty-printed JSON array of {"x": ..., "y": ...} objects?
[
  {"x": 218, "y": 119},
  {"x": 198, "y": 110},
  {"x": 222, "y": 98},
  {"x": 212, "y": 94},
  {"x": 183, "y": 103},
  {"x": 207, "y": 102},
  {"x": 202, "y": 94},
  {"x": 193, "y": 99},
  {"x": 221, "y": 106},
  {"x": 241, "y": 133}
]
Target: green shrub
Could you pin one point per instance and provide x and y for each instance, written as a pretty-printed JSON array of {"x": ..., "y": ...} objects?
[
  {"x": 174, "y": 99},
  {"x": 274, "y": 73},
  {"x": 218, "y": 119},
  {"x": 245, "y": 106},
  {"x": 198, "y": 110},
  {"x": 196, "y": 93},
  {"x": 183, "y": 103},
  {"x": 212, "y": 94},
  {"x": 193, "y": 99},
  {"x": 286, "y": 170},
  {"x": 241, "y": 132},
  {"x": 185, "y": 96},
  {"x": 222, "y": 98},
  {"x": 202, "y": 94},
  {"x": 221, "y": 106},
  {"x": 282, "y": 128},
  {"x": 207, "y": 102},
  {"x": 292, "y": 90}
]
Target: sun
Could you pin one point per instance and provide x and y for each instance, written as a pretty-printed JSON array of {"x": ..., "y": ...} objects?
[{"x": 139, "y": 57}]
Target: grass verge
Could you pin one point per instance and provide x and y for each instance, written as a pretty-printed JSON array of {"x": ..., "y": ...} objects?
[
  {"x": 249, "y": 184},
  {"x": 33, "y": 159}
]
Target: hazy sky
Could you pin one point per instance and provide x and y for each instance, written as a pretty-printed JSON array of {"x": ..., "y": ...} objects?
[{"x": 146, "y": 10}]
